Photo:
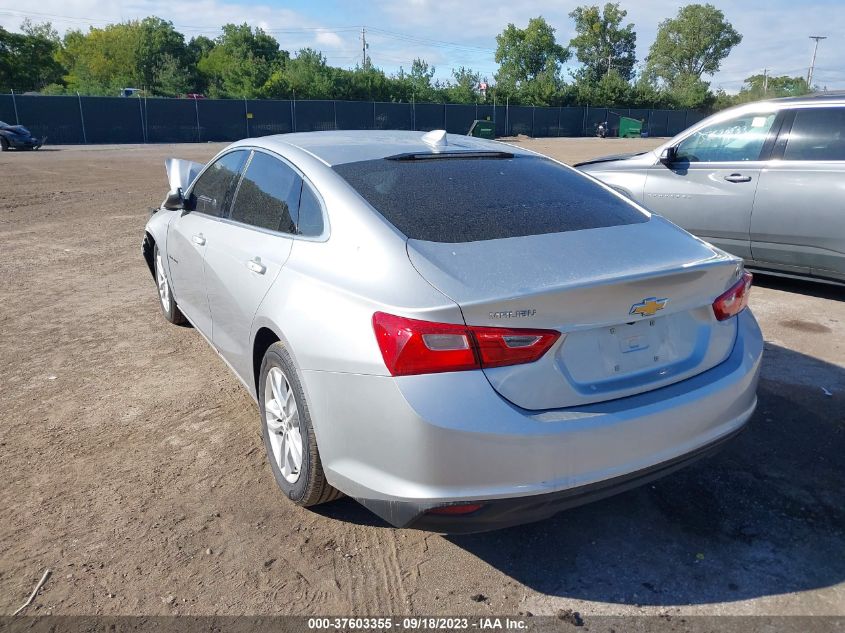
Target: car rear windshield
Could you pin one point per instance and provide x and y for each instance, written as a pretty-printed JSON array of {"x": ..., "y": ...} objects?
[{"x": 462, "y": 199}]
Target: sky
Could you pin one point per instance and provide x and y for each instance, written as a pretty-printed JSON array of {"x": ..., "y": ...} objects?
[{"x": 449, "y": 34}]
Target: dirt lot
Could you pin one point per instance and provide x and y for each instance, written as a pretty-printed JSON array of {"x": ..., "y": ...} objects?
[{"x": 131, "y": 463}]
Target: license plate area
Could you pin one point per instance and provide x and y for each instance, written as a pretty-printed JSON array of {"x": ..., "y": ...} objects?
[{"x": 621, "y": 356}]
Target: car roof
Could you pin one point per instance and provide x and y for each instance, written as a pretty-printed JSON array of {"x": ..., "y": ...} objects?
[
  {"x": 347, "y": 146},
  {"x": 836, "y": 97}
]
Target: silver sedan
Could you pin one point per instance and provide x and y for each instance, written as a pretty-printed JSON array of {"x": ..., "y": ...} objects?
[
  {"x": 763, "y": 181},
  {"x": 459, "y": 334}
]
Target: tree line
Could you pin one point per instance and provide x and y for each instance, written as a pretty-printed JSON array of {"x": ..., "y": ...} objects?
[{"x": 247, "y": 62}]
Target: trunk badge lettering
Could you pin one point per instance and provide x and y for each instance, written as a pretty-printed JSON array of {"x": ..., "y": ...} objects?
[
  {"x": 513, "y": 314},
  {"x": 648, "y": 306}
]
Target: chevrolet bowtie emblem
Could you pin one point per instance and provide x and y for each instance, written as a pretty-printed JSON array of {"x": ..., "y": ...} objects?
[{"x": 648, "y": 307}]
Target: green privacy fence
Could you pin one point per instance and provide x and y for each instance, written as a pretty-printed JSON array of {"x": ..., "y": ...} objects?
[{"x": 85, "y": 120}]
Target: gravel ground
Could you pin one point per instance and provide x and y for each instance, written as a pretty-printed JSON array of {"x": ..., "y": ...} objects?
[{"x": 132, "y": 467}]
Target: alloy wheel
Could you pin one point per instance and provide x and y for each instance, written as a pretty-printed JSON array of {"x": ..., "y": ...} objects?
[
  {"x": 163, "y": 287},
  {"x": 282, "y": 417}
]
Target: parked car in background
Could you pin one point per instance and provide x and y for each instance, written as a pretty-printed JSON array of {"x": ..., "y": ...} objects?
[
  {"x": 764, "y": 181},
  {"x": 18, "y": 137},
  {"x": 460, "y": 334}
]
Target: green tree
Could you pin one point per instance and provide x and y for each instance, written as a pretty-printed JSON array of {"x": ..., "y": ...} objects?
[
  {"x": 464, "y": 86},
  {"x": 602, "y": 44},
  {"x": 418, "y": 84},
  {"x": 241, "y": 62},
  {"x": 691, "y": 44},
  {"x": 761, "y": 87},
  {"x": 306, "y": 76},
  {"x": 611, "y": 89},
  {"x": 645, "y": 93},
  {"x": 688, "y": 91},
  {"x": 369, "y": 83},
  {"x": 102, "y": 61},
  {"x": 758, "y": 87},
  {"x": 160, "y": 46},
  {"x": 27, "y": 59},
  {"x": 530, "y": 62},
  {"x": 170, "y": 77}
]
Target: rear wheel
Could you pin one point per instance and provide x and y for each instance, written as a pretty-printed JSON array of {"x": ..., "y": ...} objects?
[
  {"x": 168, "y": 305},
  {"x": 288, "y": 433},
  {"x": 4, "y": 144}
]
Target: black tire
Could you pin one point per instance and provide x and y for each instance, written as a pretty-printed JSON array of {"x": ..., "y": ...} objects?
[
  {"x": 169, "y": 308},
  {"x": 311, "y": 487},
  {"x": 4, "y": 144}
]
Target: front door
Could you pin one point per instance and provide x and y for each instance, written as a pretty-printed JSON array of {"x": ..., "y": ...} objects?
[
  {"x": 188, "y": 234},
  {"x": 709, "y": 188}
]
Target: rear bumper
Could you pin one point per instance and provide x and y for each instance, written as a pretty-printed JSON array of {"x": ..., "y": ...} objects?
[
  {"x": 502, "y": 513},
  {"x": 403, "y": 446}
]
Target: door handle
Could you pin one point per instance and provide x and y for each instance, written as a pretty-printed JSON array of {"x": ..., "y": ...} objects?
[
  {"x": 256, "y": 266},
  {"x": 199, "y": 240},
  {"x": 738, "y": 178}
]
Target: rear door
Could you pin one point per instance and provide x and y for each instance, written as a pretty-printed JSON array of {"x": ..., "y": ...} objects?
[
  {"x": 248, "y": 251},
  {"x": 709, "y": 189},
  {"x": 798, "y": 223},
  {"x": 188, "y": 235}
]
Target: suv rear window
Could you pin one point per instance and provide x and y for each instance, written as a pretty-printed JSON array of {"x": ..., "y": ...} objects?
[{"x": 462, "y": 199}]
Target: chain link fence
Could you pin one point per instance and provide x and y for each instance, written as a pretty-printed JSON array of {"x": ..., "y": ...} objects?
[{"x": 68, "y": 120}]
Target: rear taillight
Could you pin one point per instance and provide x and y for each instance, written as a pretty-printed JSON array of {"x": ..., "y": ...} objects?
[
  {"x": 409, "y": 346},
  {"x": 734, "y": 300}
]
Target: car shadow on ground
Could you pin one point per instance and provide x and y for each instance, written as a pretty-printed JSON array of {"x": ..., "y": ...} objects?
[
  {"x": 766, "y": 516},
  {"x": 763, "y": 517},
  {"x": 809, "y": 288}
]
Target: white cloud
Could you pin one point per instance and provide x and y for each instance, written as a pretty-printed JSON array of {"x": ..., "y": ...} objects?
[{"x": 329, "y": 39}]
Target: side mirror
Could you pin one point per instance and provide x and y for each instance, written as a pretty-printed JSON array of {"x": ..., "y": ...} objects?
[
  {"x": 174, "y": 200},
  {"x": 669, "y": 155}
]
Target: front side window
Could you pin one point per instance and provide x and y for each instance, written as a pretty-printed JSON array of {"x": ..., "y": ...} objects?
[
  {"x": 212, "y": 191},
  {"x": 817, "y": 134},
  {"x": 738, "y": 139},
  {"x": 268, "y": 196}
]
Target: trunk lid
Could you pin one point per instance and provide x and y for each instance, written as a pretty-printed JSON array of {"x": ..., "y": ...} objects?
[{"x": 634, "y": 304}]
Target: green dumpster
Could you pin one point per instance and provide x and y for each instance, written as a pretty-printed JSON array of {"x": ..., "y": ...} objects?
[
  {"x": 629, "y": 128},
  {"x": 482, "y": 129}
]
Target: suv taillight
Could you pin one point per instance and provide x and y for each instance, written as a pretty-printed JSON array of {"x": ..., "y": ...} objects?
[
  {"x": 735, "y": 299},
  {"x": 410, "y": 346}
]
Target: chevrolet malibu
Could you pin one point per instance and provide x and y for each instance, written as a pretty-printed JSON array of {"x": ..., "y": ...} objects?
[{"x": 460, "y": 334}]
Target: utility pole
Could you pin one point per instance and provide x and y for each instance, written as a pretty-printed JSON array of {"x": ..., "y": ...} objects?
[
  {"x": 365, "y": 63},
  {"x": 765, "y": 80},
  {"x": 813, "y": 63},
  {"x": 609, "y": 63}
]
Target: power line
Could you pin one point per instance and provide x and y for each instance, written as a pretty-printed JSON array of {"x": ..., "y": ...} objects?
[{"x": 416, "y": 39}]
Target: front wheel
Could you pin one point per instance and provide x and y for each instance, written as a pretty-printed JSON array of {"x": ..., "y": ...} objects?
[
  {"x": 288, "y": 433},
  {"x": 168, "y": 305},
  {"x": 4, "y": 144}
]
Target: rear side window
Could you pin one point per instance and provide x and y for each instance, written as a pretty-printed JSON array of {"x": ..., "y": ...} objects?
[
  {"x": 473, "y": 199},
  {"x": 211, "y": 193},
  {"x": 817, "y": 134},
  {"x": 310, "y": 214},
  {"x": 268, "y": 196}
]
